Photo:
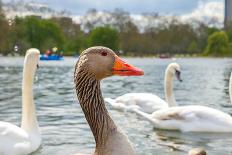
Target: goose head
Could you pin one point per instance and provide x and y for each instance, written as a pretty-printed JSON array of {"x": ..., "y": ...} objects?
[
  {"x": 102, "y": 62},
  {"x": 174, "y": 69},
  {"x": 95, "y": 64},
  {"x": 32, "y": 59},
  {"x": 197, "y": 151}
]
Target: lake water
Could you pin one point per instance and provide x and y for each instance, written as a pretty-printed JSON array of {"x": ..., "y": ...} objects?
[{"x": 63, "y": 125}]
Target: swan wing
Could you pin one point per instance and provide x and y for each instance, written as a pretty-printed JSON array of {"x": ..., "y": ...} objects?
[
  {"x": 192, "y": 119},
  {"x": 13, "y": 140},
  {"x": 80, "y": 154},
  {"x": 145, "y": 102},
  {"x": 114, "y": 104}
]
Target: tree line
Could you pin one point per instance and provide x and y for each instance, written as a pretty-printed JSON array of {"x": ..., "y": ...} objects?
[{"x": 117, "y": 31}]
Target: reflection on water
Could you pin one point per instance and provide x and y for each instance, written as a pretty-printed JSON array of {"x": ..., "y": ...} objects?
[{"x": 64, "y": 127}]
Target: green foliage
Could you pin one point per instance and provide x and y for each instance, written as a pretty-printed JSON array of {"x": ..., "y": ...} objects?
[
  {"x": 75, "y": 45},
  {"x": 218, "y": 44},
  {"x": 131, "y": 42},
  {"x": 104, "y": 36},
  {"x": 75, "y": 39},
  {"x": 230, "y": 49},
  {"x": 43, "y": 34},
  {"x": 212, "y": 30},
  {"x": 193, "y": 48},
  {"x": 229, "y": 33},
  {"x": 4, "y": 36},
  {"x": 1, "y": 11},
  {"x": 171, "y": 37}
]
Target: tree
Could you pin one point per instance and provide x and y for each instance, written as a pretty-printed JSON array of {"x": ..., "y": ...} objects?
[
  {"x": 173, "y": 37},
  {"x": 131, "y": 41},
  {"x": 217, "y": 44},
  {"x": 43, "y": 34},
  {"x": 212, "y": 30},
  {"x": 5, "y": 43},
  {"x": 1, "y": 11},
  {"x": 120, "y": 20},
  {"x": 104, "y": 36},
  {"x": 74, "y": 37},
  {"x": 229, "y": 33},
  {"x": 193, "y": 48},
  {"x": 74, "y": 45}
]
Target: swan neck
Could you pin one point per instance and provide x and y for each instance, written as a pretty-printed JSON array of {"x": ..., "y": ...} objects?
[
  {"x": 230, "y": 88},
  {"x": 92, "y": 103},
  {"x": 29, "y": 121},
  {"x": 168, "y": 86}
]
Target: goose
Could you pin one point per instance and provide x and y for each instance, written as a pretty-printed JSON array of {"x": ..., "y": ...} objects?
[
  {"x": 95, "y": 64},
  {"x": 26, "y": 139},
  {"x": 191, "y": 118},
  {"x": 148, "y": 102}
]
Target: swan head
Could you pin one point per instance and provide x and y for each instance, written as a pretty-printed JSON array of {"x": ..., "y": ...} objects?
[
  {"x": 102, "y": 62},
  {"x": 31, "y": 59},
  {"x": 174, "y": 69}
]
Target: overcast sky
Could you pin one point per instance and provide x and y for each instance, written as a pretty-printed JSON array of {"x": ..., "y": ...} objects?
[{"x": 176, "y": 7}]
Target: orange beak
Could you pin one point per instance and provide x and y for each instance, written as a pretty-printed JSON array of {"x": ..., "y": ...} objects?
[{"x": 124, "y": 69}]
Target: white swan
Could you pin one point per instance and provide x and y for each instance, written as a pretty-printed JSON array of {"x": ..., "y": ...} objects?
[
  {"x": 22, "y": 141},
  {"x": 192, "y": 118},
  {"x": 148, "y": 102}
]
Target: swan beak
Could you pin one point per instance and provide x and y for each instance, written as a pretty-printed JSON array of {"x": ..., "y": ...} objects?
[
  {"x": 178, "y": 76},
  {"x": 124, "y": 69}
]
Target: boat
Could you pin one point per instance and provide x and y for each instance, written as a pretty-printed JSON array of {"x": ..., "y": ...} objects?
[
  {"x": 164, "y": 56},
  {"x": 51, "y": 57}
]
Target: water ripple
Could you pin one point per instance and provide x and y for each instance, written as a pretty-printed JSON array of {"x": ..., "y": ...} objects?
[{"x": 63, "y": 125}]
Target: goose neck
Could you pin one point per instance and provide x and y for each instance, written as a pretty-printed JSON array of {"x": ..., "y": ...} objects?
[{"x": 92, "y": 103}]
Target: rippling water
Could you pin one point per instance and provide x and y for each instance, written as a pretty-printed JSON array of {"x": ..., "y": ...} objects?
[{"x": 63, "y": 125}]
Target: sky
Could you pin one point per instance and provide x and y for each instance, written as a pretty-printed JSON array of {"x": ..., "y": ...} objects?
[
  {"x": 206, "y": 11},
  {"x": 79, "y": 7}
]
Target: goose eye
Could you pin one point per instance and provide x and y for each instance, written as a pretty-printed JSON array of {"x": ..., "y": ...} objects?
[{"x": 104, "y": 53}]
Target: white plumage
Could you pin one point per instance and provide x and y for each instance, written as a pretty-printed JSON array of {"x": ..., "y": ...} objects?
[
  {"x": 192, "y": 118},
  {"x": 148, "y": 102},
  {"x": 143, "y": 101},
  {"x": 13, "y": 140},
  {"x": 25, "y": 140}
]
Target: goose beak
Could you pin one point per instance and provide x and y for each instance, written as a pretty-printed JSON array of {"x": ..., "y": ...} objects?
[{"x": 124, "y": 69}]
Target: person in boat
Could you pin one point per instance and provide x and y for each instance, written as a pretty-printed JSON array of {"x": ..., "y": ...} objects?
[{"x": 48, "y": 52}]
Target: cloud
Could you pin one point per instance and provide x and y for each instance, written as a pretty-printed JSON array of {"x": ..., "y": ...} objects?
[
  {"x": 209, "y": 12},
  {"x": 132, "y": 6}
]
